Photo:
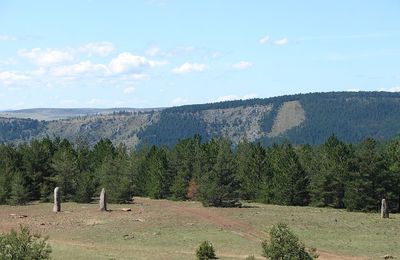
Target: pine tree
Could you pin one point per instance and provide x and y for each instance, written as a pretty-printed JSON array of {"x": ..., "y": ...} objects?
[
  {"x": 369, "y": 183},
  {"x": 183, "y": 164},
  {"x": 392, "y": 153},
  {"x": 115, "y": 177},
  {"x": 334, "y": 163},
  {"x": 252, "y": 171},
  {"x": 289, "y": 181},
  {"x": 36, "y": 163},
  {"x": 19, "y": 190},
  {"x": 159, "y": 178},
  {"x": 8, "y": 167},
  {"x": 218, "y": 186},
  {"x": 65, "y": 167}
]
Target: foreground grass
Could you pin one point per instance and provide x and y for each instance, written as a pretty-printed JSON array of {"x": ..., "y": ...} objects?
[
  {"x": 350, "y": 233},
  {"x": 173, "y": 230}
]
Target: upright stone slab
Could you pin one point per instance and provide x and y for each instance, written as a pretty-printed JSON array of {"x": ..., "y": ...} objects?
[
  {"x": 103, "y": 200},
  {"x": 57, "y": 200},
  {"x": 384, "y": 209}
]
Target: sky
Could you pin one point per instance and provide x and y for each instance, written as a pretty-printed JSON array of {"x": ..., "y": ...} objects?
[{"x": 162, "y": 53}]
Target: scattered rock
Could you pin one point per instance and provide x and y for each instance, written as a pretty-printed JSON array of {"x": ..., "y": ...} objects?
[
  {"x": 139, "y": 219},
  {"x": 128, "y": 237},
  {"x": 388, "y": 257},
  {"x": 126, "y": 209},
  {"x": 157, "y": 233},
  {"x": 42, "y": 224},
  {"x": 13, "y": 215},
  {"x": 22, "y": 216}
]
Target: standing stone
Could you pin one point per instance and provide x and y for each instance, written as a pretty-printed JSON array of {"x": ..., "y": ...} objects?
[
  {"x": 57, "y": 200},
  {"x": 384, "y": 209},
  {"x": 103, "y": 200}
]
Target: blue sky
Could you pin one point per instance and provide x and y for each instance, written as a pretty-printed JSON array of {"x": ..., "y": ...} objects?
[{"x": 158, "y": 53}]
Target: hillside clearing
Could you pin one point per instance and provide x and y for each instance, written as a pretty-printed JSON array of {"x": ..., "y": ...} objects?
[{"x": 161, "y": 229}]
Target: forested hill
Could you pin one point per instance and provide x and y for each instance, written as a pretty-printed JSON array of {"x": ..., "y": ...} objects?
[{"x": 302, "y": 118}]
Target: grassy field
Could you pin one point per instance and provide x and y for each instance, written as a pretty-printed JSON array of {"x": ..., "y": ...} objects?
[{"x": 160, "y": 229}]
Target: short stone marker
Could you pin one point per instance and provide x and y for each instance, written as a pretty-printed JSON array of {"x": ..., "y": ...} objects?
[
  {"x": 384, "y": 209},
  {"x": 103, "y": 200},
  {"x": 57, "y": 200}
]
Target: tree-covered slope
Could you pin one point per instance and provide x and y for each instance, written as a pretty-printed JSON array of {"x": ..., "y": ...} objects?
[
  {"x": 18, "y": 130},
  {"x": 303, "y": 118},
  {"x": 308, "y": 118}
]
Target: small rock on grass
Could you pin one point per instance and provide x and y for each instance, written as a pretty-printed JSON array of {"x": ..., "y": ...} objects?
[{"x": 128, "y": 237}]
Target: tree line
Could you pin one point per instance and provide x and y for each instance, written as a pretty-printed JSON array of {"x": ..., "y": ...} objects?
[{"x": 334, "y": 174}]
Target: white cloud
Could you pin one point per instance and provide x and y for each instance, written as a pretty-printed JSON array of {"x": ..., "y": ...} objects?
[
  {"x": 128, "y": 63},
  {"x": 4, "y": 37},
  {"x": 189, "y": 67},
  {"x": 97, "y": 102},
  {"x": 82, "y": 68},
  {"x": 9, "y": 77},
  {"x": 39, "y": 71},
  {"x": 69, "y": 103},
  {"x": 227, "y": 98},
  {"x": 98, "y": 48},
  {"x": 215, "y": 55},
  {"x": 353, "y": 89},
  {"x": 153, "y": 51},
  {"x": 282, "y": 41},
  {"x": 180, "y": 51},
  {"x": 235, "y": 97},
  {"x": 71, "y": 66},
  {"x": 179, "y": 101},
  {"x": 50, "y": 57},
  {"x": 46, "y": 57},
  {"x": 250, "y": 96},
  {"x": 242, "y": 65},
  {"x": 129, "y": 90},
  {"x": 9, "y": 61},
  {"x": 393, "y": 89},
  {"x": 264, "y": 40}
]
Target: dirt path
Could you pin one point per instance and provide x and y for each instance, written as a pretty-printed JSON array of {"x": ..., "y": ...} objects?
[
  {"x": 236, "y": 226},
  {"x": 241, "y": 228}
]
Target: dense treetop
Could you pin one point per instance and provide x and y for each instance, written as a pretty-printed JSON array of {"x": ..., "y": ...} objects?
[{"x": 334, "y": 174}]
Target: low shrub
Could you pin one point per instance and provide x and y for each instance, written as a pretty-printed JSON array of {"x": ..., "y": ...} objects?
[
  {"x": 23, "y": 245},
  {"x": 205, "y": 251},
  {"x": 284, "y": 244}
]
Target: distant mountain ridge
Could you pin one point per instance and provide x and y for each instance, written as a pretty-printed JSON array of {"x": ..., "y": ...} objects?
[
  {"x": 49, "y": 114},
  {"x": 302, "y": 118}
]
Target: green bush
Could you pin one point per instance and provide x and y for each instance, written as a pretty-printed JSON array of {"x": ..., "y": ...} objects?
[
  {"x": 285, "y": 245},
  {"x": 23, "y": 246},
  {"x": 205, "y": 251}
]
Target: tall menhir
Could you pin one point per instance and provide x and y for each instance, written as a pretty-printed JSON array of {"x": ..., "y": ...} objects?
[
  {"x": 57, "y": 200},
  {"x": 103, "y": 200}
]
